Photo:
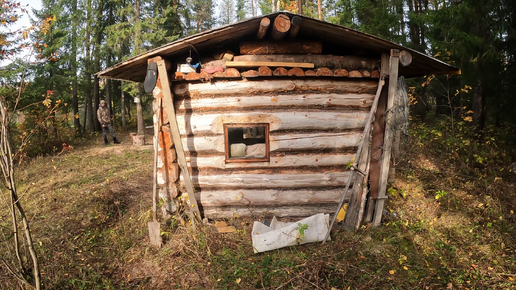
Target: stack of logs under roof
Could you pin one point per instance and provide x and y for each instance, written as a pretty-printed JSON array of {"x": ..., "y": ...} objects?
[{"x": 281, "y": 58}]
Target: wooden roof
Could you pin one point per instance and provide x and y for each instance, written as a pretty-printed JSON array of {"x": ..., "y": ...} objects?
[{"x": 336, "y": 39}]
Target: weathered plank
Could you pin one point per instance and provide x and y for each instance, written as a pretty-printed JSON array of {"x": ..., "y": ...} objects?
[
  {"x": 278, "y": 161},
  {"x": 280, "y": 47},
  {"x": 342, "y": 86},
  {"x": 260, "y": 211},
  {"x": 316, "y": 141},
  {"x": 261, "y": 101},
  {"x": 389, "y": 135},
  {"x": 253, "y": 197},
  {"x": 199, "y": 123},
  {"x": 249, "y": 180},
  {"x": 246, "y": 64},
  {"x": 349, "y": 62}
]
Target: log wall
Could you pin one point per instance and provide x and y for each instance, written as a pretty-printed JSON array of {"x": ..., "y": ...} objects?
[{"x": 315, "y": 127}]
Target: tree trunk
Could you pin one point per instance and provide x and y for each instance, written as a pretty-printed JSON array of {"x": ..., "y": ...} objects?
[
  {"x": 88, "y": 111},
  {"x": 139, "y": 111},
  {"x": 75, "y": 100},
  {"x": 478, "y": 106},
  {"x": 122, "y": 103}
]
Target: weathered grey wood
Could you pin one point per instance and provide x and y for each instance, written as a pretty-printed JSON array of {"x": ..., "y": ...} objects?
[
  {"x": 378, "y": 134},
  {"x": 357, "y": 197},
  {"x": 213, "y": 123},
  {"x": 280, "y": 47},
  {"x": 280, "y": 27},
  {"x": 264, "y": 26},
  {"x": 343, "y": 86},
  {"x": 169, "y": 109},
  {"x": 295, "y": 24},
  {"x": 349, "y": 62},
  {"x": 315, "y": 141},
  {"x": 208, "y": 179},
  {"x": 364, "y": 142},
  {"x": 268, "y": 197},
  {"x": 387, "y": 144},
  {"x": 283, "y": 161},
  {"x": 268, "y": 211},
  {"x": 262, "y": 101}
]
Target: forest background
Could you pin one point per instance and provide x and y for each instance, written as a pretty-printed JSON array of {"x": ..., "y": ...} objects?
[{"x": 71, "y": 40}]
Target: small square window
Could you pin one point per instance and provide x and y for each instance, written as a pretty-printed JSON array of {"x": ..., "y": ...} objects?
[{"x": 247, "y": 142}]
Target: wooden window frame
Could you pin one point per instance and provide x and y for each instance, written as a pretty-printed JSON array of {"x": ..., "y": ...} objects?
[{"x": 242, "y": 160}]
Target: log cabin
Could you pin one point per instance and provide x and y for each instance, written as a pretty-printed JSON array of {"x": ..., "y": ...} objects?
[{"x": 280, "y": 114}]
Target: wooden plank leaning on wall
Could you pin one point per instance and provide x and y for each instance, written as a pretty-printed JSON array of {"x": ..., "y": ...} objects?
[
  {"x": 388, "y": 138},
  {"x": 174, "y": 129}
]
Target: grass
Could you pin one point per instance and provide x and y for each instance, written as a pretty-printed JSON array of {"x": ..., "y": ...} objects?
[{"x": 448, "y": 225}]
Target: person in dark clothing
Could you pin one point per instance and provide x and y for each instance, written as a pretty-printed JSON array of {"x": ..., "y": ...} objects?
[{"x": 105, "y": 120}]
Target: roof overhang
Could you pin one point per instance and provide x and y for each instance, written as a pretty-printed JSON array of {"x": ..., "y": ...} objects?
[{"x": 335, "y": 38}]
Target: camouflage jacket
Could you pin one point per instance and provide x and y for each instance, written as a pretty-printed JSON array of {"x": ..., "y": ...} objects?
[{"x": 103, "y": 115}]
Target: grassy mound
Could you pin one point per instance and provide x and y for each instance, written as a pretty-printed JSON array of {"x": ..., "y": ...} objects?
[{"x": 449, "y": 223}]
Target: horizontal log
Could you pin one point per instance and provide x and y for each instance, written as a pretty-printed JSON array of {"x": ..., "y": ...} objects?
[
  {"x": 268, "y": 63},
  {"x": 268, "y": 197},
  {"x": 280, "y": 47},
  {"x": 264, "y": 26},
  {"x": 349, "y": 62},
  {"x": 295, "y": 24},
  {"x": 199, "y": 123},
  {"x": 206, "y": 180},
  {"x": 315, "y": 141},
  {"x": 261, "y": 101},
  {"x": 275, "y": 86},
  {"x": 268, "y": 211},
  {"x": 280, "y": 27},
  {"x": 279, "y": 161}
]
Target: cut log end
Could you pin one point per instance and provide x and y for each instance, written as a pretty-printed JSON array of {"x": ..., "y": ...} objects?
[
  {"x": 193, "y": 76},
  {"x": 355, "y": 74},
  {"x": 205, "y": 76},
  {"x": 280, "y": 71},
  {"x": 264, "y": 71},
  {"x": 250, "y": 74},
  {"x": 405, "y": 58},
  {"x": 310, "y": 73},
  {"x": 232, "y": 73},
  {"x": 324, "y": 72},
  {"x": 365, "y": 73},
  {"x": 264, "y": 26},
  {"x": 295, "y": 24},
  {"x": 280, "y": 27},
  {"x": 179, "y": 76},
  {"x": 298, "y": 72},
  {"x": 219, "y": 74},
  {"x": 341, "y": 73},
  {"x": 375, "y": 74}
]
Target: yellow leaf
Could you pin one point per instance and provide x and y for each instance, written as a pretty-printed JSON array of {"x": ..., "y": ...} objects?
[
  {"x": 511, "y": 279},
  {"x": 391, "y": 272},
  {"x": 238, "y": 280},
  {"x": 405, "y": 268}
]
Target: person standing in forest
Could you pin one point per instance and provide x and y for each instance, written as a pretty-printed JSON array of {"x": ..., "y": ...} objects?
[{"x": 105, "y": 120}]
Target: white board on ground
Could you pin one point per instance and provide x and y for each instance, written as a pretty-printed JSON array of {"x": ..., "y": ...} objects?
[{"x": 278, "y": 235}]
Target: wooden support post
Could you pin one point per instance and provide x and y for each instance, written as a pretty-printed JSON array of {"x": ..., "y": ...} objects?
[
  {"x": 295, "y": 24},
  {"x": 170, "y": 110},
  {"x": 387, "y": 143},
  {"x": 262, "y": 29},
  {"x": 377, "y": 143},
  {"x": 280, "y": 27}
]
